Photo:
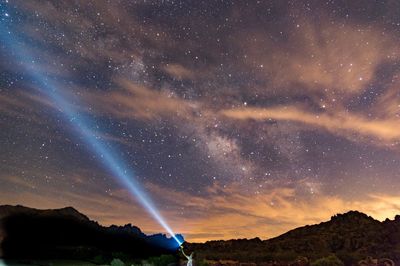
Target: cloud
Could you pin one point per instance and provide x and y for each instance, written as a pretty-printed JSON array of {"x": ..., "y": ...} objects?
[
  {"x": 329, "y": 60},
  {"x": 131, "y": 101},
  {"x": 178, "y": 71},
  {"x": 337, "y": 76},
  {"x": 266, "y": 214},
  {"x": 340, "y": 123},
  {"x": 112, "y": 206},
  {"x": 24, "y": 105}
]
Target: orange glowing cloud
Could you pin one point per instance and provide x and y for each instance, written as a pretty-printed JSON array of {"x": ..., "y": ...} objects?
[
  {"x": 266, "y": 214},
  {"x": 178, "y": 71},
  {"x": 342, "y": 123},
  {"x": 337, "y": 60},
  {"x": 136, "y": 101}
]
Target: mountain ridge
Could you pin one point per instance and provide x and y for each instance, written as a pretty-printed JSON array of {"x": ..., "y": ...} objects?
[
  {"x": 6, "y": 210},
  {"x": 66, "y": 233},
  {"x": 351, "y": 237}
]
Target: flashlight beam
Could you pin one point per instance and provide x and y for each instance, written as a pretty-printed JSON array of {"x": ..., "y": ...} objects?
[{"x": 104, "y": 151}]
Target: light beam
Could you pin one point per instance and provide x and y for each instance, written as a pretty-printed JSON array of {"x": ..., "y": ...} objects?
[{"x": 106, "y": 153}]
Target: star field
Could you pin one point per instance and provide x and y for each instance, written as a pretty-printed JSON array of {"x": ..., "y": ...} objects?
[{"x": 240, "y": 118}]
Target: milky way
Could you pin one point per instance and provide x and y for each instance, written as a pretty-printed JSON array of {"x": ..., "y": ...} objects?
[{"x": 240, "y": 118}]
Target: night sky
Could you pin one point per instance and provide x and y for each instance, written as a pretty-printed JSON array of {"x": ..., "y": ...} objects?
[{"x": 238, "y": 118}]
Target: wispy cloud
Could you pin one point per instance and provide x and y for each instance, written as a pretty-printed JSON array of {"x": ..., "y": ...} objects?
[
  {"x": 266, "y": 214},
  {"x": 342, "y": 123}
]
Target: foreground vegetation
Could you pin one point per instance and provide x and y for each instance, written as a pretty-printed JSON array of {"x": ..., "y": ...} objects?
[{"x": 163, "y": 260}]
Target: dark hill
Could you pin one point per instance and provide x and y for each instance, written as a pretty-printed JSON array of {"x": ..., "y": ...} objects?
[
  {"x": 351, "y": 237},
  {"x": 66, "y": 233}
]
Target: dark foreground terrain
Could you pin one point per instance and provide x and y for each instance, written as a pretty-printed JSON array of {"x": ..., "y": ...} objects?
[
  {"x": 66, "y": 237},
  {"x": 348, "y": 239},
  {"x": 30, "y": 235}
]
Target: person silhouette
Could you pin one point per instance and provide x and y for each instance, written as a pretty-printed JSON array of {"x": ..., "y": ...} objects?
[{"x": 189, "y": 258}]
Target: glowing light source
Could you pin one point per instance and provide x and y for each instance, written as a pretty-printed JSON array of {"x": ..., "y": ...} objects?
[{"x": 84, "y": 124}]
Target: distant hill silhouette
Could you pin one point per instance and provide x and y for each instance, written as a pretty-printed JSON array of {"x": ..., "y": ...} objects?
[
  {"x": 66, "y": 233},
  {"x": 350, "y": 237}
]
